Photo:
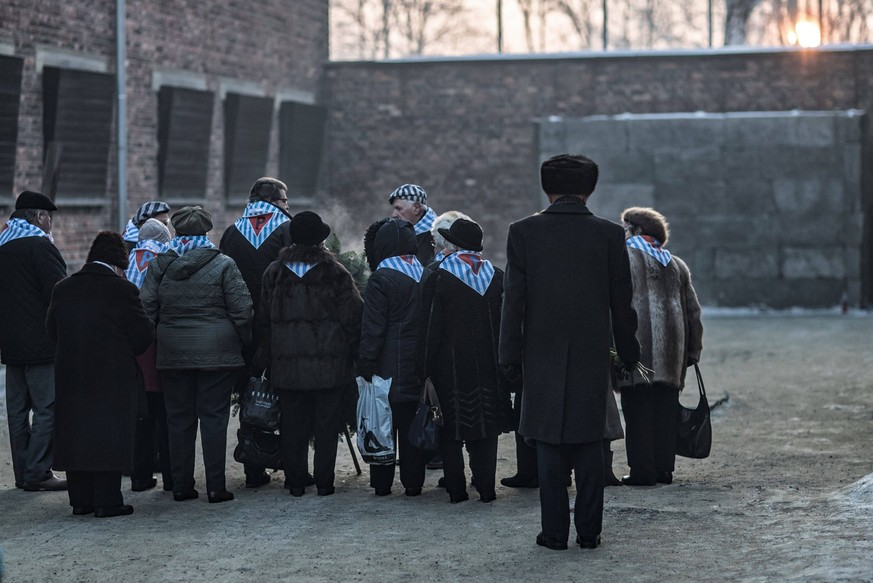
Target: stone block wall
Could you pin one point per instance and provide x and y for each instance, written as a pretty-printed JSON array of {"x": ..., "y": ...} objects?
[{"x": 764, "y": 207}]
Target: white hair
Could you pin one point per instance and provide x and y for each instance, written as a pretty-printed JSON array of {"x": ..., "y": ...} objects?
[{"x": 444, "y": 221}]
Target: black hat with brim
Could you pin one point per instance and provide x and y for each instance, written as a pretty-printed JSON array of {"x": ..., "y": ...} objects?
[
  {"x": 34, "y": 200},
  {"x": 308, "y": 229},
  {"x": 464, "y": 234}
]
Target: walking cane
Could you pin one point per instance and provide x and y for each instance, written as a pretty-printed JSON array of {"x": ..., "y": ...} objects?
[{"x": 352, "y": 450}]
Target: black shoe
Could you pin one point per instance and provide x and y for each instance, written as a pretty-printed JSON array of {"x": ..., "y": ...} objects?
[
  {"x": 631, "y": 480},
  {"x": 487, "y": 496},
  {"x": 326, "y": 491},
  {"x": 665, "y": 478},
  {"x": 517, "y": 481},
  {"x": 441, "y": 483},
  {"x": 383, "y": 491},
  {"x": 413, "y": 492},
  {"x": 297, "y": 492},
  {"x": 110, "y": 511},
  {"x": 588, "y": 542},
  {"x": 143, "y": 485},
  {"x": 52, "y": 484},
  {"x": 186, "y": 495},
  {"x": 549, "y": 543},
  {"x": 310, "y": 481},
  {"x": 462, "y": 497},
  {"x": 220, "y": 496},
  {"x": 82, "y": 510},
  {"x": 258, "y": 480},
  {"x": 168, "y": 486},
  {"x": 19, "y": 485},
  {"x": 609, "y": 479}
]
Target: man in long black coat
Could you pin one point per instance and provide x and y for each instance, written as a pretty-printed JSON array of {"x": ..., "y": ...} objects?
[
  {"x": 97, "y": 320},
  {"x": 567, "y": 292}
]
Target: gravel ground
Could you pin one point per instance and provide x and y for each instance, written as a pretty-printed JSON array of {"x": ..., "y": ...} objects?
[{"x": 787, "y": 495}]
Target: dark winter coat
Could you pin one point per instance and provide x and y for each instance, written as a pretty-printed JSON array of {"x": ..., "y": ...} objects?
[
  {"x": 309, "y": 327},
  {"x": 460, "y": 332},
  {"x": 669, "y": 329},
  {"x": 202, "y": 309},
  {"x": 567, "y": 276},
  {"x": 29, "y": 269},
  {"x": 389, "y": 327},
  {"x": 424, "y": 248},
  {"x": 253, "y": 262},
  {"x": 98, "y": 323}
]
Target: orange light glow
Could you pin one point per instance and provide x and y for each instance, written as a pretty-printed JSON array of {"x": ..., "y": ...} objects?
[{"x": 805, "y": 34}]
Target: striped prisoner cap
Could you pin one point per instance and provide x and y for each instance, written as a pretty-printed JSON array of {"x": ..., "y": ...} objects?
[
  {"x": 412, "y": 192},
  {"x": 149, "y": 209}
]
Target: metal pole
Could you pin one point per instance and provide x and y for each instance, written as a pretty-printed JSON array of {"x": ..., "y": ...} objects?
[
  {"x": 499, "y": 26},
  {"x": 121, "y": 79},
  {"x": 605, "y": 21},
  {"x": 709, "y": 20}
]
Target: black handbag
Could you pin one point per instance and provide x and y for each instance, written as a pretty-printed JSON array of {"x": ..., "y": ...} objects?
[
  {"x": 694, "y": 434},
  {"x": 424, "y": 432},
  {"x": 260, "y": 405},
  {"x": 258, "y": 448}
]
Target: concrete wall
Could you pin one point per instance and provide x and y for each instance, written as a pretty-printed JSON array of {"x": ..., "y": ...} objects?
[
  {"x": 468, "y": 130},
  {"x": 764, "y": 207},
  {"x": 267, "y": 47}
]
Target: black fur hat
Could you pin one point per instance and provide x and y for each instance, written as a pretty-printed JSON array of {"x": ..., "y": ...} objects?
[
  {"x": 108, "y": 247},
  {"x": 569, "y": 174},
  {"x": 650, "y": 222}
]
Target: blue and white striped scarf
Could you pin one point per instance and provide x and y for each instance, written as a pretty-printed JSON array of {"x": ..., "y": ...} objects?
[
  {"x": 299, "y": 268},
  {"x": 470, "y": 268},
  {"x": 18, "y": 229},
  {"x": 651, "y": 246},
  {"x": 258, "y": 222},
  {"x": 425, "y": 223},
  {"x": 441, "y": 254},
  {"x": 131, "y": 232},
  {"x": 140, "y": 258},
  {"x": 185, "y": 243},
  {"x": 405, "y": 264}
]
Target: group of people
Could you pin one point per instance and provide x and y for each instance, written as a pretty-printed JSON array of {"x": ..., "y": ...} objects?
[{"x": 126, "y": 358}]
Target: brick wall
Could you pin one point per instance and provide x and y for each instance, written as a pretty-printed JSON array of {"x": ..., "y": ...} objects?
[
  {"x": 275, "y": 46},
  {"x": 466, "y": 129}
]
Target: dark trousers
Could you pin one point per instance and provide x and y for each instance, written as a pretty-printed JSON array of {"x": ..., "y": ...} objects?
[
  {"x": 483, "y": 464},
  {"x": 307, "y": 413},
  {"x": 151, "y": 431},
  {"x": 193, "y": 395},
  {"x": 587, "y": 460},
  {"x": 412, "y": 459},
  {"x": 98, "y": 489},
  {"x": 525, "y": 455},
  {"x": 650, "y": 428},
  {"x": 30, "y": 388}
]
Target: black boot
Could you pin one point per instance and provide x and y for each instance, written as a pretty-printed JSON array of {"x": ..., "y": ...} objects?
[{"x": 609, "y": 478}]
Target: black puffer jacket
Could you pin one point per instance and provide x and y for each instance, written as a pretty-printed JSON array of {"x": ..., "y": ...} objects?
[
  {"x": 29, "y": 269},
  {"x": 202, "y": 309},
  {"x": 389, "y": 328},
  {"x": 309, "y": 327}
]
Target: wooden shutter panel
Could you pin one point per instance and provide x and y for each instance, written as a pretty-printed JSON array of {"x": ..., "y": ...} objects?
[
  {"x": 10, "y": 96},
  {"x": 247, "y": 122},
  {"x": 184, "y": 130},
  {"x": 300, "y": 145},
  {"x": 78, "y": 107}
]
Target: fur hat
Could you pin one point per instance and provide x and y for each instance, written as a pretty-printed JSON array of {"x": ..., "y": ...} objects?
[
  {"x": 650, "y": 221},
  {"x": 308, "y": 229},
  {"x": 149, "y": 209},
  {"x": 568, "y": 174},
  {"x": 154, "y": 230},
  {"x": 411, "y": 192},
  {"x": 34, "y": 200},
  {"x": 464, "y": 234},
  {"x": 108, "y": 247},
  {"x": 191, "y": 220}
]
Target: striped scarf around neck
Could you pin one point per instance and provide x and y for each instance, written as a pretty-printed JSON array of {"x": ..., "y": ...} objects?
[
  {"x": 185, "y": 243},
  {"x": 425, "y": 223},
  {"x": 19, "y": 229},
  {"x": 140, "y": 258},
  {"x": 650, "y": 246},
  {"x": 406, "y": 264},
  {"x": 471, "y": 269},
  {"x": 258, "y": 222}
]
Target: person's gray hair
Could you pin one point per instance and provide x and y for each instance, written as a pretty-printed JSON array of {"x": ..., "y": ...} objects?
[
  {"x": 29, "y": 215},
  {"x": 444, "y": 221},
  {"x": 154, "y": 230}
]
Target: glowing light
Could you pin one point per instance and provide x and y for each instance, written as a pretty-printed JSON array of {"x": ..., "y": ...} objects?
[{"x": 805, "y": 34}]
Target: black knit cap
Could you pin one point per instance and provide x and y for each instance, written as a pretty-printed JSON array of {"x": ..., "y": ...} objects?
[
  {"x": 464, "y": 234},
  {"x": 108, "y": 247},
  {"x": 34, "y": 200},
  {"x": 568, "y": 174},
  {"x": 308, "y": 229}
]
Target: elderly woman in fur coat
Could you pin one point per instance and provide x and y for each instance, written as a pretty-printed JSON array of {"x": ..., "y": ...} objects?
[
  {"x": 309, "y": 323},
  {"x": 670, "y": 334}
]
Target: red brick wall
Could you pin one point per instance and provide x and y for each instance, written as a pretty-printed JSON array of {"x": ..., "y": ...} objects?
[{"x": 275, "y": 44}]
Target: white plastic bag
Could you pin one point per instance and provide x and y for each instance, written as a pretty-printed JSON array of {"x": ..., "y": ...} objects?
[{"x": 375, "y": 425}]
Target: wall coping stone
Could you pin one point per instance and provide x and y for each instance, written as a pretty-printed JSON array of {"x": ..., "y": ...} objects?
[{"x": 50, "y": 56}]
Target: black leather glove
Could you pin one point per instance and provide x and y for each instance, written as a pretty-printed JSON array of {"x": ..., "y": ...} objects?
[{"x": 511, "y": 372}]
